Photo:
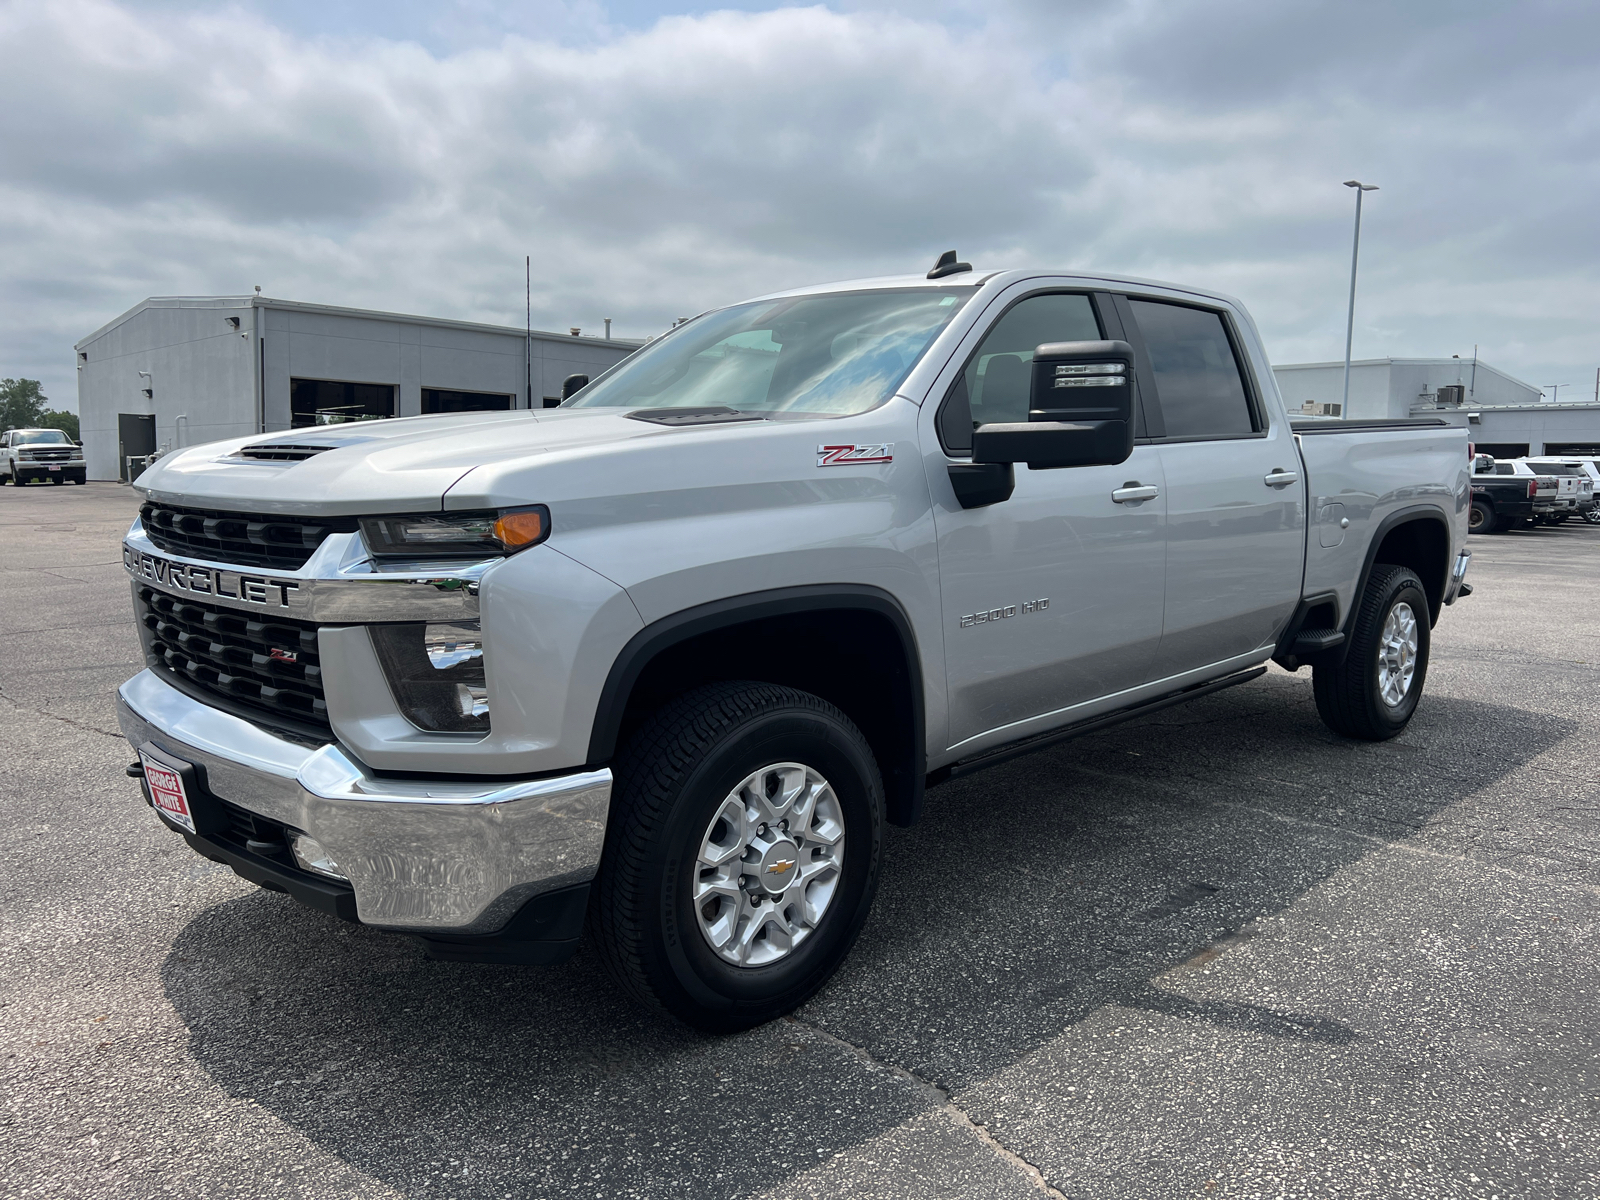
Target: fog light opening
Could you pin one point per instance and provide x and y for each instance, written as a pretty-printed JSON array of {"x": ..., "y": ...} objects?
[
  {"x": 312, "y": 856},
  {"x": 436, "y": 674}
]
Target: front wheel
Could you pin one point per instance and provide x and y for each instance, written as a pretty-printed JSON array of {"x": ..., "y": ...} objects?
[
  {"x": 742, "y": 854},
  {"x": 1592, "y": 516},
  {"x": 1373, "y": 692}
]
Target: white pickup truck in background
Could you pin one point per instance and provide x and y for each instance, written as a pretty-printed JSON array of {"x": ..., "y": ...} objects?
[{"x": 668, "y": 657}]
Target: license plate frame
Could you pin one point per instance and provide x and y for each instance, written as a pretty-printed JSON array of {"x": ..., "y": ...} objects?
[
  {"x": 53, "y": 467},
  {"x": 168, "y": 795}
]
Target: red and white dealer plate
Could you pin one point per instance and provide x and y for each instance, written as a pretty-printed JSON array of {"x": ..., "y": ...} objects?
[{"x": 166, "y": 789}]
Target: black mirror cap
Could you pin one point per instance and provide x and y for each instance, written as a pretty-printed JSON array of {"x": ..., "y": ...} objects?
[
  {"x": 1082, "y": 381},
  {"x": 1048, "y": 445},
  {"x": 571, "y": 384}
]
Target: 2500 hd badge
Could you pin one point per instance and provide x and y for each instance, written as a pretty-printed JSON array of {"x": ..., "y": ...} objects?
[{"x": 230, "y": 585}]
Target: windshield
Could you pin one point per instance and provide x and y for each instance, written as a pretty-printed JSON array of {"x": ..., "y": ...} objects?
[
  {"x": 835, "y": 354},
  {"x": 40, "y": 437}
]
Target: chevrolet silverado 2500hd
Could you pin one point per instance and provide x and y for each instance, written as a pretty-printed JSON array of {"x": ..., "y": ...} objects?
[{"x": 666, "y": 658}]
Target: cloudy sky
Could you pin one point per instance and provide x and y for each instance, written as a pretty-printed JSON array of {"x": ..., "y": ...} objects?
[{"x": 658, "y": 158}]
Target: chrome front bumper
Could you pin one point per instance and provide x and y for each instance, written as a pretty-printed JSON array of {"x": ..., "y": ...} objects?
[{"x": 425, "y": 855}]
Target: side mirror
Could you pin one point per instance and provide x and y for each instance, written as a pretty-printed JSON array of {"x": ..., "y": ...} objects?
[
  {"x": 1080, "y": 410},
  {"x": 571, "y": 384}
]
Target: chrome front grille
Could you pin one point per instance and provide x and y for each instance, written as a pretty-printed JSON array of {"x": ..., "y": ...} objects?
[
  {"x": 267, "y": 666},
  {"x": 243, "y": 539}
]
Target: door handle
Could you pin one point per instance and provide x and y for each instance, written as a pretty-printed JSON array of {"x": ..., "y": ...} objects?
[
  {"x": 1281, "y": 478},
  {"x": 1133, "y": 490}
]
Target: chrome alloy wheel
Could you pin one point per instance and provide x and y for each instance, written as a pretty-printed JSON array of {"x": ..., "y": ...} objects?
[
  {"x": 769, "y": 864},
  {"x": 1397, "y": 654}
]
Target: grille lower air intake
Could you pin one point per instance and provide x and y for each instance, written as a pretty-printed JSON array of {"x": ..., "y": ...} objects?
[
  {"x": 281, "y": 451},
  {"x": 267, "y": 666},
  {"x": 247, "y": 539}
]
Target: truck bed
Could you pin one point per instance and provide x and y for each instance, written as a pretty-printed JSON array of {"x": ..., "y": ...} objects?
[{"x": 1352, "y": 475}]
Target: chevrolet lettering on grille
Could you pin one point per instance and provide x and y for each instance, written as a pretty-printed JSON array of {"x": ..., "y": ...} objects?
[{"x": 208, "y": 581}]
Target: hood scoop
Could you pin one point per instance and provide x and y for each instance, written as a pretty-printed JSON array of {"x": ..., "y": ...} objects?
[
  {"x": 692, "y": 416},
  {"x": 290, "y": 451},
  {"x": 280, "y": 451}
]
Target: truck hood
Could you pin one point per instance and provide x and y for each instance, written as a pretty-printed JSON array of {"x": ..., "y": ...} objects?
[{"x": 402, "y": 465}]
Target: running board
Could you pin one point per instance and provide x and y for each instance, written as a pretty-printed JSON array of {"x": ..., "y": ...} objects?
[{"x": 992, "y": 758}]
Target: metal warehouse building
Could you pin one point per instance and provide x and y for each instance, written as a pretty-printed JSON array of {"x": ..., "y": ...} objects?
[
  {"x": 1506, "y": 416},
  {"x": 178, "y": 371}
]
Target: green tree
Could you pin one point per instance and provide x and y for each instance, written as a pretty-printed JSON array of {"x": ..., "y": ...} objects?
[
  {"x": 60, "y": 419},
  {"x": 22, "y": 403}
]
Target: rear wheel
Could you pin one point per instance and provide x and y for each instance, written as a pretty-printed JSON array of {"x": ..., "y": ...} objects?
[
  {"x": 1481, "y": 518},
  {"x": 1372, "y": 694},
  {"x": 742, "y": 854}
]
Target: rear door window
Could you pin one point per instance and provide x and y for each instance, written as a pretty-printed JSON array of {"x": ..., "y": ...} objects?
[{"x": 1197, "y": 376}]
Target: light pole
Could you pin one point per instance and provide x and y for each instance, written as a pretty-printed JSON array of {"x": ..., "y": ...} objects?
[
  {"x": 1350, "y": 323},
  {"x": 1555, "y": 391}
]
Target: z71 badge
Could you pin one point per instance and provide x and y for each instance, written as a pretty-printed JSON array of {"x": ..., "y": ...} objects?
[{"x": 844, "y": 456}]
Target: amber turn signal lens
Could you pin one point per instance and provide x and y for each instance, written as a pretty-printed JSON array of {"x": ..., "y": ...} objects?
[{"x": 520, "y": 528}]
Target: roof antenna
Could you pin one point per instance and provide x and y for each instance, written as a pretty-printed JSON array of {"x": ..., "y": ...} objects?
[{"x": 947, "y": 265}]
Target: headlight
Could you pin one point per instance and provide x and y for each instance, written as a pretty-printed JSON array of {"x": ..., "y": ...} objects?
[
  {"x": 456, "y": 535},
  {"x": 436, "y": 674}
]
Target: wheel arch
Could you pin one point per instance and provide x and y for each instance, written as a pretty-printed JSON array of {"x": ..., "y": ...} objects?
[
  {"x": 1417, "y": 537},
  {"x": 851, "y": 644}
]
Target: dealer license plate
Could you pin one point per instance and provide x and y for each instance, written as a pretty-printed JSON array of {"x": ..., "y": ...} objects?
[
  {"x": 53, "y": 468},
  {"x": 166, "y": 790}
]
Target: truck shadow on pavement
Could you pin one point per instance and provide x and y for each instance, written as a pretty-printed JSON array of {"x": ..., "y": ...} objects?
[{"x": 1097, "y": 873}]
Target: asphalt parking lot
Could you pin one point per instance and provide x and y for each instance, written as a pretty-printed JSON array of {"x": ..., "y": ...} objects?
[{"x": 1216, "y": 953}]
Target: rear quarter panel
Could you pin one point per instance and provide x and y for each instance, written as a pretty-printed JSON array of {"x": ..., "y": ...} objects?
[{"x": 1366, "y": 476}]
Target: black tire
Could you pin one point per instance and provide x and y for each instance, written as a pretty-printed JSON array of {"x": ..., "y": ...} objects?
[
  {"x": 670, "y": 781},
  {"x": 1481, "y": 518},
  {"x": 1349, "y": 699}
]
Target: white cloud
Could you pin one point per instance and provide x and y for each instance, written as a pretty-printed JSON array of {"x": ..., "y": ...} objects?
[{"x": 655, "y": 168}]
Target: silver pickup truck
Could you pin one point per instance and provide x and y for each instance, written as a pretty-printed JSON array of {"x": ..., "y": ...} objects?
[{"x": 666, "y": 658}]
